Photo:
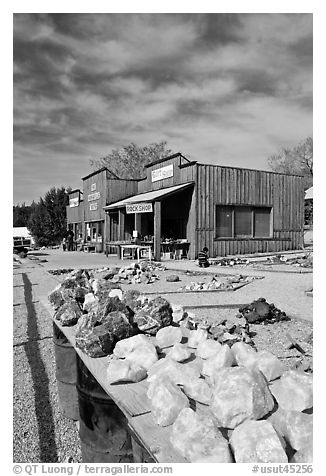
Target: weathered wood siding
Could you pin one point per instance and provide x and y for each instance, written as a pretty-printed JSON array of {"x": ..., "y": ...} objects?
[
  {"x": 217, "y": 185},
  {"x": 75, "y": 214},
  {"x": 181, "y": 175}
]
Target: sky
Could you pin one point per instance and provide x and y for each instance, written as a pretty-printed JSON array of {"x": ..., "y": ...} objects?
[{"x": 228, "y": 89}]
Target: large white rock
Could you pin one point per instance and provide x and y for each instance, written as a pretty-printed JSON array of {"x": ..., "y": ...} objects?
[
  {"x": 178, "y": 313},
  {"x": 223, "y": 358},
  {"x": 269, "y": 365},
  {"x": 296, "y": 427},
  {"x": 240, "y": 394},
  {"x": 144, "y": 356},
  {"x": 199, "y": 390},
  {"x": 197, "y": 438},
  {"x": 179, "y": 353},
  {"x": 257, "y": 442},
  {"x": 208, "y": 348},
  {"x": 168, "y": 336},
  {"x": 116, "y": 293},
  {"x": 196, "y": 337},
  {"x": 303, "y": 456},
  {"x": 125, "y": 346},
  {"x": 167, "y": 400},
  {"x": 89, "y": 301},
  {"x": 124, "y": 371},
  {"x": 178, "y": 373},
  {"x": 244, "y": 354},
  {"x": 293, "y": 391}
]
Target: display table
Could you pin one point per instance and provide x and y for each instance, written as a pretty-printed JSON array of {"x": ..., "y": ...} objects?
[
  {"x": 132, "y": 400},
  {"x": 138, "y": 249}
]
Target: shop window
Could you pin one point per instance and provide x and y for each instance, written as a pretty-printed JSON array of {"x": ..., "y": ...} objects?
[
  {"x": 262, "y": 222},
  {"x": 224, "y": 221},
  {"x": 238, "y": 222},
  {"x": 242, "y": 221}
]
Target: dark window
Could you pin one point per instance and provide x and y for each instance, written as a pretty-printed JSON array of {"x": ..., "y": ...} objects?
[
  {"x": 262, "y": 222},
  {"x": 237, "y": 222},
  {"x": 224, "y": 222},
  {"x": 242, "y": 221}
]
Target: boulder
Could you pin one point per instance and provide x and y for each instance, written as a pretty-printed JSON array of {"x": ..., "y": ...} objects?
[
  {"x": 172, "y": 278},
  {"x": 244, "y": 354},
  {"x": 115, "y": 293},
  {"x": 145, "y": 356},
  {"x": 208, "y": 348},
  {"x": 178, "y": 373},
  {"x": 296, "y": 427},
  {"x": 125, "y": 346},
  {"x": 199, "y": 390},
  {"x": 89, "y": 300},
  {"x": 167, "y": 400},
  {"x": 240, "y": 394},
  {"x": 179, "y": 353},
  {"x": 102, "y": 287},
  {"x": 196, "y": 438},
  {"x": 56, "y": 298},
  {"x": 303, "y": 456},
  {"x": 168, "y": 336},
  {"x": 131, "y": 299},
  {"x": 108, "y": 305},
  {"x": 69, "y": 313},
  {"x": 196, "y": 337},
  {"x": 101, "y": 339},
  {"x": 124, "y": 371},
  {"x": 269, "y": 365},
  {"x": 153, "y": 315},
  {"x": 178, "y": 313},
  {"x": 257, "y": 442},
  {"x": 293, "y": 391},
  {"x": 223, "y": 358}
]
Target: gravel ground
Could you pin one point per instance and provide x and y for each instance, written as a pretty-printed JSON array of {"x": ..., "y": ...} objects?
[{"x": 41, "y": 433}]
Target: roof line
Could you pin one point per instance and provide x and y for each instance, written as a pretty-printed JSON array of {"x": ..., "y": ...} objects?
[
  {"x": 98, "y": 171},
  {"x": 253, "y": 170},
  {"x": 173, "y": 156}
]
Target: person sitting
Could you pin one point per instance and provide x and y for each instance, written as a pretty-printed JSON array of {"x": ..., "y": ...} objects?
[{"x": 203, "y": 258}]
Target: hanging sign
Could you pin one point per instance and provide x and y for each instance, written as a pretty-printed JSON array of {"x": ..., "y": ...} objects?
[
  {"x": 139, "y": 207},
  {"x": 93, "y": 196},
  {"x": 73, "y": 202},
  {"x": 162, "y": 173},
  {"x": 93, "y": 206},
  {"x": 93, "y": 187}
]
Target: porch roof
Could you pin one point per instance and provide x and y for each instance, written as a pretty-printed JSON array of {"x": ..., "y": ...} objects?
[{"x": 149, "y": 196}]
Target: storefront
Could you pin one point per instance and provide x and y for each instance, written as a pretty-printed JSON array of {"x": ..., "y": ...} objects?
[{"x": 182, "y": 206}]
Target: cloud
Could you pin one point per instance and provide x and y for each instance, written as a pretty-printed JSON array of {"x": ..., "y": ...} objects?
[{"x": 221, "y": 88}]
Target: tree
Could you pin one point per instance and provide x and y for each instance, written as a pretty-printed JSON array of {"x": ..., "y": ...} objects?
[
  {"x": 48, "y": 221},
  {"x": 298, "y": 160},
  {"x": 129, "y": 161},
  {"x": 21, "y": 214}
]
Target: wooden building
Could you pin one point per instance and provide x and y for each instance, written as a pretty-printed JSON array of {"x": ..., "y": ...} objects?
[{"x": 182, "y": 206}]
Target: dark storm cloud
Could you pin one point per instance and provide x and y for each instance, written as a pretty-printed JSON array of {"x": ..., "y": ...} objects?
[{"x": 87, "y": 83}]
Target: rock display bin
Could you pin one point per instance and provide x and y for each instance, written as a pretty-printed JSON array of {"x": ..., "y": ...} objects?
[
  {"x": 66, "y": 374},
  {"x": 199, "y": 385},
  {"x": 103, "y": 430}
]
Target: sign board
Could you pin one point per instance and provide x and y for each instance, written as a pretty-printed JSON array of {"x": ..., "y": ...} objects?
[
  {"x": 144, "y": 207},
  {"x": 93, "y": 187},
  {"x": 94, "y": 196},
  {"x": 162, "y": 173},
  {"x": 93, "y": 206},
  {"x": 73, "y": 202}
]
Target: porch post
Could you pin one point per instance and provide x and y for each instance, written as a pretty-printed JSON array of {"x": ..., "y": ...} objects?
[
  {"x": 121, "y": 224},
  {"x": 157, "y": 231},
  {"x": 138, "y": 222}
]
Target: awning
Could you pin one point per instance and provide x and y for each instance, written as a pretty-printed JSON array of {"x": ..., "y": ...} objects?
[
  {"x": 309, "y": 194},
  {"x": 149, "y": 196}
]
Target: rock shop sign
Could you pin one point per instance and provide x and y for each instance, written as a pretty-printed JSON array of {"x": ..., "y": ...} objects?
[
  {"x": 162, "y": 173},
  {"x": 139, "y": 207},
  {"x": 74, "y": 202},
  {"x": 93, "y": 206}
]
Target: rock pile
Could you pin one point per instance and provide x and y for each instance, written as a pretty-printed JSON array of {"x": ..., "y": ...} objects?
[
  {"x": 105, "y": 315},
  {"x": 260, "y": 311},
  {"x": 218, "y": 282}
]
